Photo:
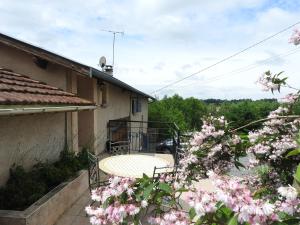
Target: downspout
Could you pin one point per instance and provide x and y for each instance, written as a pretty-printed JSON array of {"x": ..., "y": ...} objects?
[
  {"x": 91, "y": 72},
  {"x": 66, "y": 131}
]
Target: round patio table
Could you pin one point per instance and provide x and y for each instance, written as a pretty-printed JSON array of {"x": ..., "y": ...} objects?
[{"x": 133, "y": 165}]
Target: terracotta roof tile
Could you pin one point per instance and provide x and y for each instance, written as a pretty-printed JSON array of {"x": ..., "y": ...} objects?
[{"x": 17, "y": 89}]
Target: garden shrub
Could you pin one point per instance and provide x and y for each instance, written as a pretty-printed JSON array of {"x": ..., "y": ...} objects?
[{"x": 23, "y": 188}]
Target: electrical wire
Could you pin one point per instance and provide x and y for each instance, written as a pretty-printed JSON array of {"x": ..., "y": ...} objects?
[
  {"x": 245, "y": 68},
  {"x": 228, "y": 57}
]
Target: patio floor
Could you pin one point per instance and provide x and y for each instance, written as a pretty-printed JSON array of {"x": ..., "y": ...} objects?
[{"x": 76, "y": 214}]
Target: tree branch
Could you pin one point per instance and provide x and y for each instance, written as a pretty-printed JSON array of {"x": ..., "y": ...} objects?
[
  {"x": 263, "y": 120},
  {"x": 289, "y": 86}
]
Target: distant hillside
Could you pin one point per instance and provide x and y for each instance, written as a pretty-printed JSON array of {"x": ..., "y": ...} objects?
[{"x": 219, "y": 101}]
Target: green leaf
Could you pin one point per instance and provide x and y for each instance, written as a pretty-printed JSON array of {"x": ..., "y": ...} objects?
[
  {"x": 107, "y": 202},
  {"x": 280, "y": 73},
  {"x": 182, "y": 190},
  {"x": 148, "y": 191},
  {"x": 145, "y": 176},
  {"x": 165, "y": 187},
  {"x": 292, "y": 221},
  {"x": 293, "y": 152},
  {"x": 192, "y": 213},
  {"x": 199, "y": 222},
  {"x": 233, "y": 220},
  {"x": 219, "y": 204},
  {"x": 297, "y": 174},
  {"x": 226, "y": 212}
]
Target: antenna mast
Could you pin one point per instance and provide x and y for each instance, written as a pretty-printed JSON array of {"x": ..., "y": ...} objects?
[{"x": 114, "y": 39}]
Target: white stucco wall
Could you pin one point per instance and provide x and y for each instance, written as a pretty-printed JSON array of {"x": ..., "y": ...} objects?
[
  {"x": 42, "y": 136},
  {"x": 86, "y": 89},
  {"x": 118, "y": 107},
  {"x": 22, "y": 63},
  {"x": 27, "y": 139}
]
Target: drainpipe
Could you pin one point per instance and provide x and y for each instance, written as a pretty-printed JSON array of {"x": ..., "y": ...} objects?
[
  {"x": 91, "y": 72},
  {"x": 66, "y": 131}
]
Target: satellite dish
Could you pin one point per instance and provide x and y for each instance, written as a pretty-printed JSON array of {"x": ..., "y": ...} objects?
[{"x": 102, "y": 61}]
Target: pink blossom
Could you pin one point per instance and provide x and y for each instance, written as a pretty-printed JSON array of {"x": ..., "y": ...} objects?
[
  {"x": 203, "y": 202},
  {"x": 266, "y": 83},
  {"x": 235, "y": 195},
  {"x": 116, "y": 212},
  {"x": 289, "y": 99},
  {"x": 214, "y": 150},
  {"x": 144, "y": 204},
  {"x": 170, "y": 218},
  {"x": 260, "y": 149},
  {"x": 295, "y": 38},
  {"x": 288, "y": 192}
]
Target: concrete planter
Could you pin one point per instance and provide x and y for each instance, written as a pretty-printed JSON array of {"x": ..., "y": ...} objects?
[{"x": 50, "y": 207}]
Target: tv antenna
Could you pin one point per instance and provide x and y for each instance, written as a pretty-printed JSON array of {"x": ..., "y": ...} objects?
[{"x": 114, "y": 39}]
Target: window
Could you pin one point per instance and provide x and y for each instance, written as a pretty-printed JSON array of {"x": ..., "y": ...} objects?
[{"x": 136, "y": 105}]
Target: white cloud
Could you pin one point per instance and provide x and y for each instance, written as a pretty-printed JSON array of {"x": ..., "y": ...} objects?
[{"x": 164, "y": 39}]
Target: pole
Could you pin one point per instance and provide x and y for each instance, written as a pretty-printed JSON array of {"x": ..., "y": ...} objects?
[
  {"x": 114, "y": 40},
  {"x": 114, "y": 49}
]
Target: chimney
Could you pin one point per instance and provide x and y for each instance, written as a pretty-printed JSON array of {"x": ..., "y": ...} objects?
[{"x": 108, "y": 69}]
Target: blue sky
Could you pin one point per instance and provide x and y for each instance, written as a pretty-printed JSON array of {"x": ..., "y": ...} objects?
[{"x": 166, "y": 40}]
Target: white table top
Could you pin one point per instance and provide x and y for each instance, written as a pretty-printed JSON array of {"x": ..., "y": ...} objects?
[{"x": 132, "y": 165}]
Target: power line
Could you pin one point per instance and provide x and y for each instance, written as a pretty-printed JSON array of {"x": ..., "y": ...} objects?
[
  {"x": 246, "y": 68},
  {"x": 253, "y": 66},
  {"x": 228, "y": 57}
]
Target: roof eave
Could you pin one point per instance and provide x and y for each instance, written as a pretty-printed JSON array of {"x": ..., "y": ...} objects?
[
  {"x": 110, "y": 79},
  {"x": 21, "y": 110},
  {"x": 44, "y": 54},
  {"x": 66, "y": 62}
]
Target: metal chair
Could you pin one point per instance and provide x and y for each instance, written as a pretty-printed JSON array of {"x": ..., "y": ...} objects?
[
  {"x": 179, "y": 153},
  {"x": 119, "y": 147},
  {"x": 93, "y": 171},
  {"x": 159, "y": 172},
  {"x": 94, "y": 174}
]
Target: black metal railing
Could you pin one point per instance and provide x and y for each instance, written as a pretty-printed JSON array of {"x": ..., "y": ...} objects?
[{"x": 142, "y": 136}]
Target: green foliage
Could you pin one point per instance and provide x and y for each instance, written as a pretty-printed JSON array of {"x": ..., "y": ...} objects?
[
  {"x": 245, "y": 111},
  {"x": 187, "y": 113},
  {"x": 293, "y": 152},
  {"x": 23, "y": 188},
  {"x": 156, "y": 193},
  {"x": 297, "y": 174}
]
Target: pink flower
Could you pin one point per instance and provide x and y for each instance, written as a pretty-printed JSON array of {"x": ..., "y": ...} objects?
[
  {"x": 288, "y": 192},
  {"x": 266, "y": 82},
  {"x": 295, "y": 38},
  {"x": 144, "y": 204},
  {"x": 170, "y": 218},
  {"x": 289, "y": 99}
]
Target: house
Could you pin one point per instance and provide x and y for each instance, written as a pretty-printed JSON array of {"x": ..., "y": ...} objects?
[{"x": 49, "y": 102}]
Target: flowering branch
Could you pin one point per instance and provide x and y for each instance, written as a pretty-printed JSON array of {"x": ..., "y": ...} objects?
[{"x": 263, "y": 120}]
